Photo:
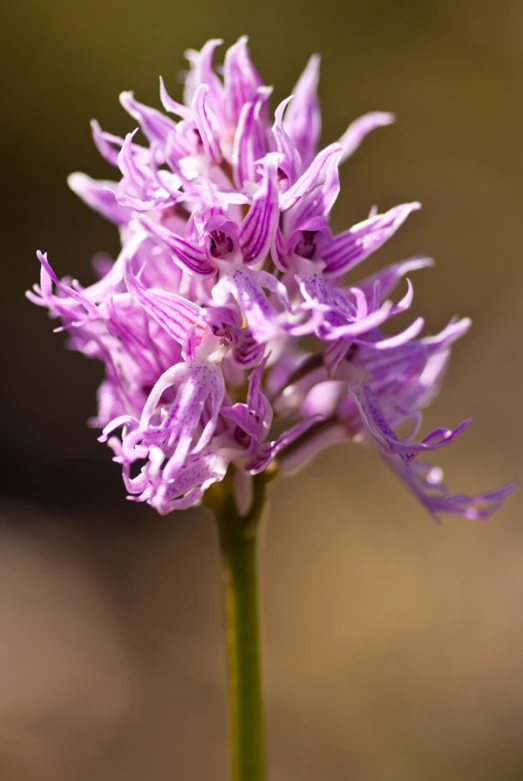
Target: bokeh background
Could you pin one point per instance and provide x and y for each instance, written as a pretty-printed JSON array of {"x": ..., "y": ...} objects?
[{"x": 393, "y": 647}]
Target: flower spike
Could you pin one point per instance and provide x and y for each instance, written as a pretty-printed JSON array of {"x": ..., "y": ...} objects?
[{"x": 230, "y": 340}]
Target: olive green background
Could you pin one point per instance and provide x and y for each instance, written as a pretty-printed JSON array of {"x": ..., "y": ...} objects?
[{"x": 393, "y": 647}]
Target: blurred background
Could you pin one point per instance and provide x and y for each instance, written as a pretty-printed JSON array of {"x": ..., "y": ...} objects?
[{"x": 393, "y": 648}]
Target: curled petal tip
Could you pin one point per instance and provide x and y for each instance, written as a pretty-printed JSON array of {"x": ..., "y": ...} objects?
[
  {"x": 388, "y": 118},
  {"x": 74, "y": 179},
  {"x": 125, "y": 97}
]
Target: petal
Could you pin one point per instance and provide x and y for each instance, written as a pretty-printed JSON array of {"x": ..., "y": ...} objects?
[
  {"x": 250, "y": 139},
  {"x": 137, "y": 350},
  {"x": 425, "y": 482},
  {"x": 248, "y": 288},
  {"x": 354, "y": 245},
  {"x": 239, "y": 414},
  {"x": 318, "y": 202},
  {"x": 405, "y": 304},
  {"x": 206, "y": 386},
  {"x": 311, "y": 177},
  {"x": 100, "y": 196},
  {"x": 373, "y": 418},
  {"x": 109, "y": 283},
  {"x": 323, "y": 398},
  {"x": 440, "y": 437},
  {"x": 360, "y": 128},
  {"x": 333, "y": 314},
  {"x": 121, "y": 420},
  {"x": 154, "y": 125},
  {"x": 207, "y": 124},
  {"x": 400, "y": 339},
  {"x": 291, "y": 164},
  {"x": 285, "y": 367},
  {"x": 259, "y": 406},
  {"x": 191, "y": 482},
  {"x": 175, "y": 314},
  {"x": 316, "y": 440},
  {"x": 364, "y": 325},
  {"x": 241, "y": 79},
  {"x": 105, "y": 143},
  {"x": 248, "y": 352},
  {"x": 333, "y": 355},
  {"x": 454, "y": 330},
  {"x": 414, "y": 369},
  {"x": 257, "y": 231},
  {"x": 201, "y": 72},
  {"x": 135, "y": 188},
  {"x": 168, "y": 379},
  {"x": 188, "y": 485},
  {"x": 272, "y": 449},
  {"x": 65, "y": 305},
  {"x": 380, "y": 431},
  {"x": 320, "y": 294},
  {"x": 172, "y": 106},
  {"x": 303, "y": 118},
  {"x": 183, "y": 428},
  {"x": 386, "y": 279},
  {"x": 198, "y": 474},
  {"x": 186, "y": 255}
]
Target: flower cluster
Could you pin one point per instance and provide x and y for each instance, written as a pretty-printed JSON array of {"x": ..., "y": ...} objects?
[{"x": 228, "y": 262}]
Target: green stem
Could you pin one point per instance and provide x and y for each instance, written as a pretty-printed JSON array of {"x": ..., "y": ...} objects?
[
  {"x": 238, "y": 546},
  {"x": 242, "y": 634}
]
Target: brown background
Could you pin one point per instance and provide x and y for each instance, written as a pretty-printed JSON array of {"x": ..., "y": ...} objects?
[{"x": 393, "y": 647}]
